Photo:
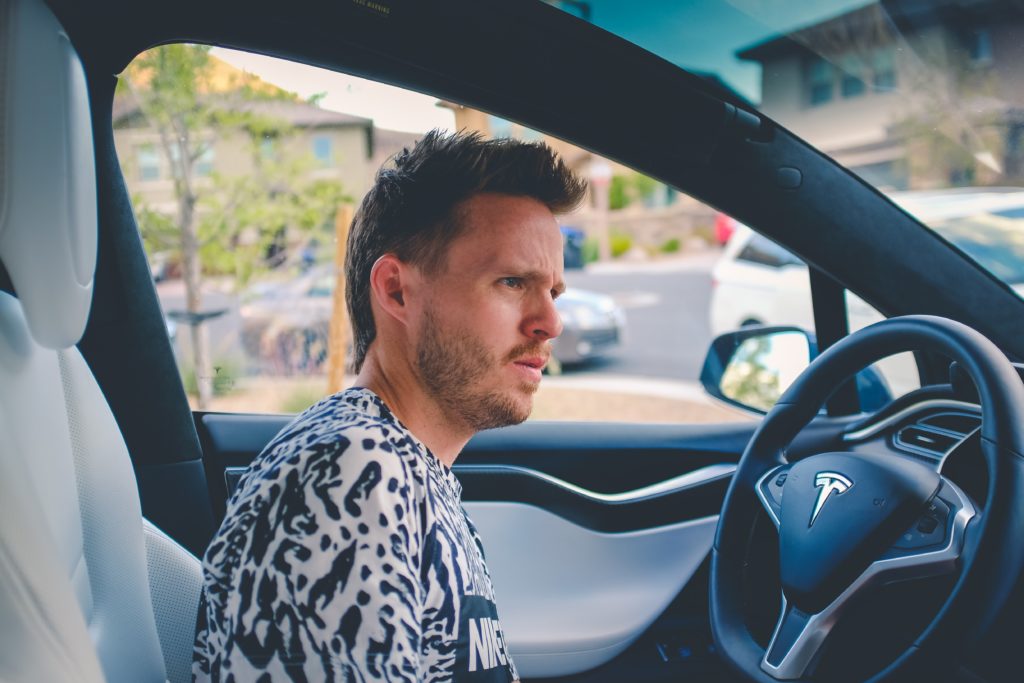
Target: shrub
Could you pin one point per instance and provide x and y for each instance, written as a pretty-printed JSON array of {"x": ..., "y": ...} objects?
[
  {"x": 621, "y": 243},
  {"x": 670, "y": 246},
  {"x": 302, "y": 398},
  {"x": 226, "y": 372}
]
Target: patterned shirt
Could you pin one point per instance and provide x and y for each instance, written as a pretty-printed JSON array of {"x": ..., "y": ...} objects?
[{"x": 346, "y": 555}]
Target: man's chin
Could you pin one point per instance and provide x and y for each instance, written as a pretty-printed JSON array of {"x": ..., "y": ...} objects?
[{"x": 508, "y": 410}]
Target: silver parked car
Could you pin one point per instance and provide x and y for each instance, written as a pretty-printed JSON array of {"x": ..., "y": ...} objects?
[{"x": 593, "y": 326}]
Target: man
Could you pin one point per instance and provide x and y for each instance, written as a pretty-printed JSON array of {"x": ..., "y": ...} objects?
[{"x": 346, "y": 554}]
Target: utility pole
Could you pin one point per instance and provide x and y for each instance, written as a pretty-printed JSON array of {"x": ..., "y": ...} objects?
[{"x": 338, "y": 333}]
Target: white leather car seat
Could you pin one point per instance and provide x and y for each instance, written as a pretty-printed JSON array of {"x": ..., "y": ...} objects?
[{"x": 88, "y": 590}]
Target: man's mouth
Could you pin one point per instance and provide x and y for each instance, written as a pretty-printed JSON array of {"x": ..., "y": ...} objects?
[
  {"x": 536, "y": 362},
  {"x": 531, "y": 367}
]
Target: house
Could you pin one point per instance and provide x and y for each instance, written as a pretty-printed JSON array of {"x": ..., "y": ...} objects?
[
  {"x": 339, "y": 146},
  {"x": 908, "y": 94}
]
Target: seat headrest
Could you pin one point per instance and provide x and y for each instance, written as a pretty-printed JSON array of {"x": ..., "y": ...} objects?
[{"x": 48, "y": 220}]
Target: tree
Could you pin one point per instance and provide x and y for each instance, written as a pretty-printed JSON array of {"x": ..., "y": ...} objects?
[{"x": 223, "y": 224}]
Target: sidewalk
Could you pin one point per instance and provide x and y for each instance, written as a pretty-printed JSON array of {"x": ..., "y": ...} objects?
[
  {"x": 585, "y": 397},
  {"x": 622, "y": 398}
]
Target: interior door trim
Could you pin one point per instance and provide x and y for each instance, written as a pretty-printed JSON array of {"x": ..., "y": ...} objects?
[{"x": 691, "y": 495}]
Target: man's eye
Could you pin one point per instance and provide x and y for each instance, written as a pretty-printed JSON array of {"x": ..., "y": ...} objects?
[{"x": 513, "y": 282}]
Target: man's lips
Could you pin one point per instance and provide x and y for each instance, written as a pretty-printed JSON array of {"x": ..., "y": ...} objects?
[
  {"x": 530, "y": 367},
  {"x": 536, "y": 362}
]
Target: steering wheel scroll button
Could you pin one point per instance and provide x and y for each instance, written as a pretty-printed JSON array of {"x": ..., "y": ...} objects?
[
  {"x": 776, "y": 484},
  {"x": 929, "y": 529}
]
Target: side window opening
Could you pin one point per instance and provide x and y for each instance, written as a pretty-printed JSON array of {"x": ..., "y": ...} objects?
[{"x": 274, "y": 185}]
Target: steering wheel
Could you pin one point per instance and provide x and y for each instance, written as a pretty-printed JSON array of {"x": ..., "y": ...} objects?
[{"x": 843, "y": 518}]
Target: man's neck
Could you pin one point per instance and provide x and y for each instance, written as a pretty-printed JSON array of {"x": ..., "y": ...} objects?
[{"x": 407, "y": 399}]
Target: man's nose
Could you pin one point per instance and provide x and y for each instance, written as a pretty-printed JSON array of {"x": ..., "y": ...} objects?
[{"x": 545, "y": 323}]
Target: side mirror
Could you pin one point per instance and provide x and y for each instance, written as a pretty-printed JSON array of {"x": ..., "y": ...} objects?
[{"x": 752, "y": 367}]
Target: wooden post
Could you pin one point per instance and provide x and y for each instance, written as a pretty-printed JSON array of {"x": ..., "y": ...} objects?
[{"x": 337, "y": 349}]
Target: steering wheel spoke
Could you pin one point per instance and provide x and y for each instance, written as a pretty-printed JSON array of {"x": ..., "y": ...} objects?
[
  {"x": 796, "y": 641},
  {"x": 932, "y": 544},
  {"x": 931, "y": 547},
  {"x": 769, "y": 492}
]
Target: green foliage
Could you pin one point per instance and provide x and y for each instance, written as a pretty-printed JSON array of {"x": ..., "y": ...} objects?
[
  {"x": 226, "y": 372},
  {"x": 627, "y": 189},
  {"x": 242, "y": 216},
  {"x": 621, "y": 243},
  {"x": 235, "y": 218},
  {"x": 301, "y": 398},
  {"x": 670, "y": 246},
  {"x": 591, "y": 250},
  {"x": 618, "y": 193},
  {"x": 159, "y": 231}
]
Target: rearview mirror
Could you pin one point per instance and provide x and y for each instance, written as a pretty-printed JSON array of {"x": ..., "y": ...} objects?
[{"x": 752, "y": 367}]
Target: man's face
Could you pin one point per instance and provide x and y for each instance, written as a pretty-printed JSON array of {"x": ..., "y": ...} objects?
[{"x": 483, "y": 333}]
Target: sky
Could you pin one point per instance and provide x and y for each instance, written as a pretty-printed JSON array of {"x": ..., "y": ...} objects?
[
  {"x": 700, "y": 35},
  {"x": 389, "y": 107}
]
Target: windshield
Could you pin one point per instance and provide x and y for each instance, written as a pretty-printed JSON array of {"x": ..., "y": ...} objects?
[{"x": 921, "y": 99}]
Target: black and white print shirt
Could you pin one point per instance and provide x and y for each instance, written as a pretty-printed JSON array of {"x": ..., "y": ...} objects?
[{"x": 346, "y": 555}]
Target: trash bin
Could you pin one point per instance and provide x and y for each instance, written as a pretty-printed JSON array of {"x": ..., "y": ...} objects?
[{"x": 572, "y": 247}]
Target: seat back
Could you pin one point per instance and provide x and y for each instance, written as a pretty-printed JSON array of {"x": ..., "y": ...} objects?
[{"x": 60, "y": 446}]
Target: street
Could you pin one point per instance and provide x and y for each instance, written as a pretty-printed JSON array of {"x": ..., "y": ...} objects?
[{"x": 667, "y": 332}]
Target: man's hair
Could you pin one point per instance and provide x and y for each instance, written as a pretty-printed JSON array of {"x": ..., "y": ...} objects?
[{"x": 411, "y": 209}]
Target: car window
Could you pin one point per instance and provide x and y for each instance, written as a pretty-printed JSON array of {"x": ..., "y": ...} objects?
[{"x": 249, "y": 208}]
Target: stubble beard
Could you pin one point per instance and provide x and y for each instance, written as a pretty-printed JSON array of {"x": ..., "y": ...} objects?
[{"x": 455, "y": 367}]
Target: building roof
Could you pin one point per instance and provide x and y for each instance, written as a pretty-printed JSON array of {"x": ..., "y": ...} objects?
[
  {"x": 305, "y": 115},
  {"x": 295, "y": 112}
]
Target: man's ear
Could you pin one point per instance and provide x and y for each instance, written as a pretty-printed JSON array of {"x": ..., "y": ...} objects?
[{"x": 389, "y": 283}]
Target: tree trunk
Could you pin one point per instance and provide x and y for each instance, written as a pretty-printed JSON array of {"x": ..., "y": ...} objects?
[{"x": 192, "y": 275}]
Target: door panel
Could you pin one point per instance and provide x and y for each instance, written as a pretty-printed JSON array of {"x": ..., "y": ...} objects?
[{"x": 571, "y": 598}]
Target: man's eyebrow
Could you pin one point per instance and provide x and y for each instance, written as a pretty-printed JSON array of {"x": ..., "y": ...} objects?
[{"x": 538, "y": 276}]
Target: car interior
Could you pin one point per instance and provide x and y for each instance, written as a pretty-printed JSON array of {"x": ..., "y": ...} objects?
[{"x": 619, "y": 551}]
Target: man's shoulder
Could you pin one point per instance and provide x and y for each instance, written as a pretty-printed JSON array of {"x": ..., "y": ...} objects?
[
  {"x": 352, "y": 417},
  {"x": 338, "y": 434}
]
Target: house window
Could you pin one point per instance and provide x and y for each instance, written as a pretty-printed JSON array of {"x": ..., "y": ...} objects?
[
  {"x": 500, "y": 128},
  {"x": 820, "y": 82},
  {"x": 322, "y": 150},
  {"x": 149, "y": 162},
  {"x": 884, "y": 70},
  {"x": 204, "y": 164},
  {"x": 852, "y": 82},
  {"x": 979, "y": 46}
]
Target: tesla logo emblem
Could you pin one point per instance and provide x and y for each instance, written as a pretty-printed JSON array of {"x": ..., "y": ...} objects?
[{"x": 829, "y": 483}]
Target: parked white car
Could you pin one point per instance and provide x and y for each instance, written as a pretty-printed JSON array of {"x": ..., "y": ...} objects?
[{"x": 757, "y": 282}]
